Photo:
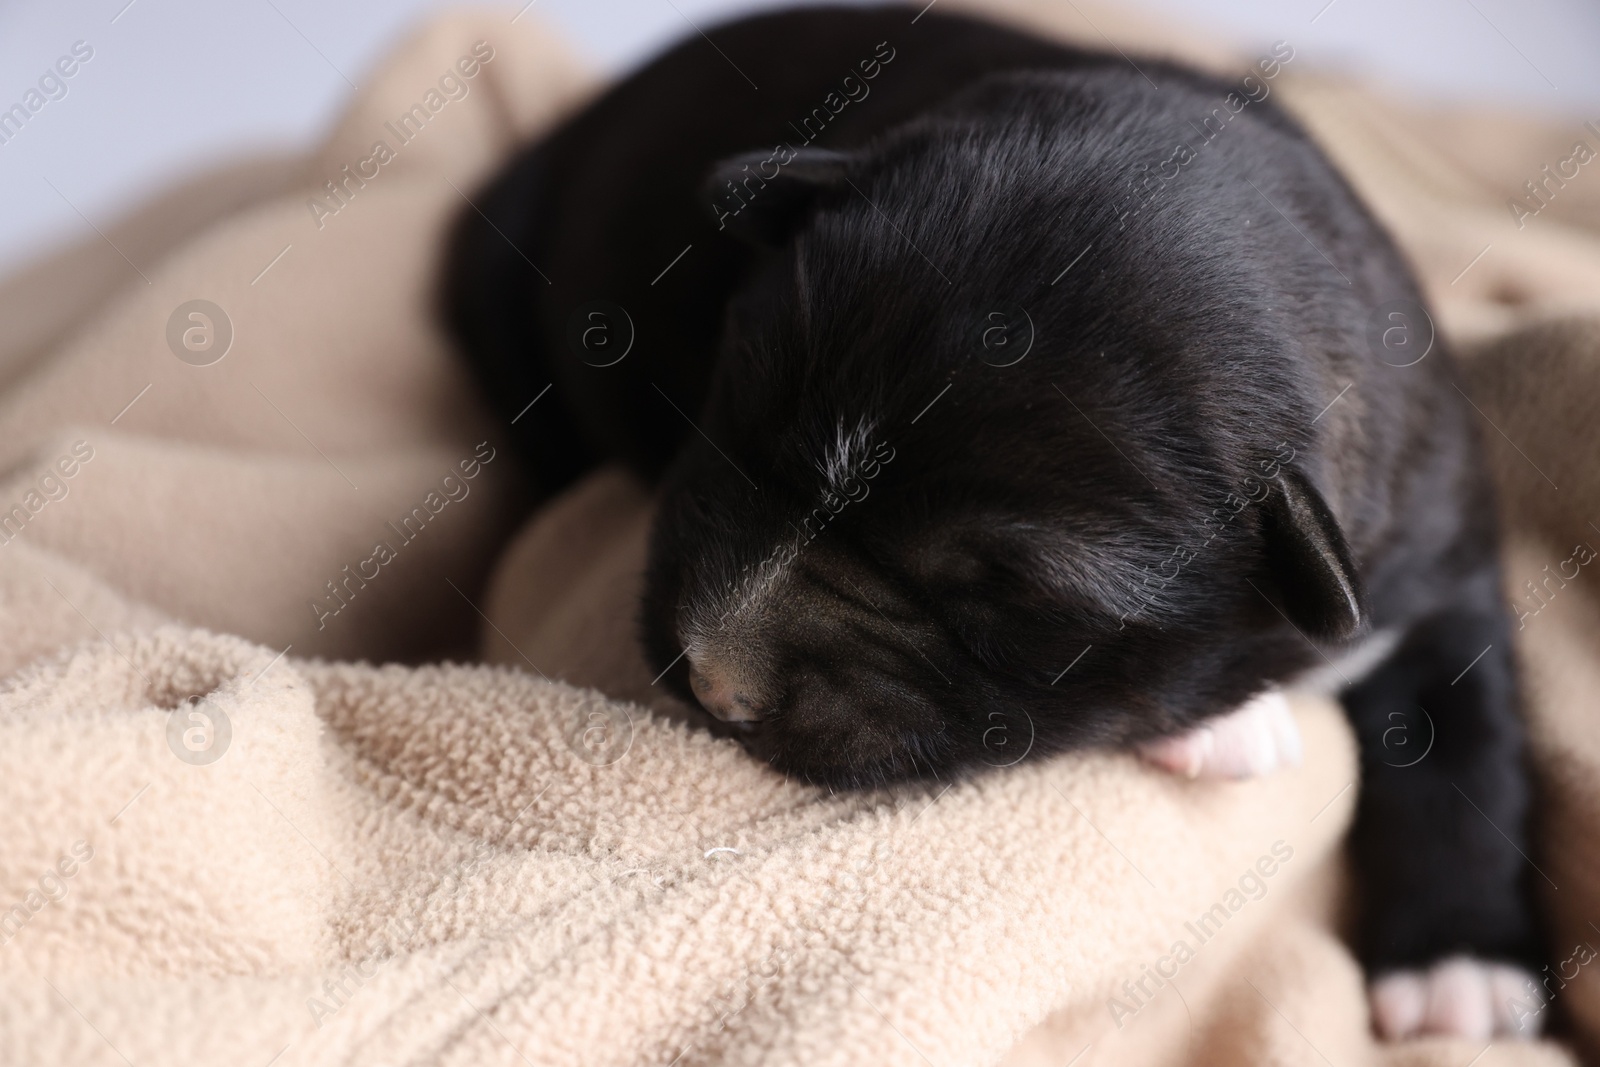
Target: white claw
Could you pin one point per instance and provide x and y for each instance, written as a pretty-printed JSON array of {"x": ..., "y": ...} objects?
[
  {"x": 1254, "y": 740},
  {"x": 1458, "y": 997}
]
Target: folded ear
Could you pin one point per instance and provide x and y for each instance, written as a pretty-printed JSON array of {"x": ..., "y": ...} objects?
[
  {"x": 759, "y": 198},
  {"x": 1310, "y": 561}
]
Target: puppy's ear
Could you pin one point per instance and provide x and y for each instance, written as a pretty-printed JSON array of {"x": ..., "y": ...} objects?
[
  {"x": 760, "y": 199},
  {"x": 1310, "y": 561}
]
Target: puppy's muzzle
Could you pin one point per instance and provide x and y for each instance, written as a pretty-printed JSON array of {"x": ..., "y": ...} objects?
[{"x": 720, "y": 696}]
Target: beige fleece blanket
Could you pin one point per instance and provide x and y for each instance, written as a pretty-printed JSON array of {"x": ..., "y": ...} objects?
[{"x": 227, "y": 837}]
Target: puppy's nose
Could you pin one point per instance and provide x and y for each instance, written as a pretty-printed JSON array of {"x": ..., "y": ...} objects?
[{"x": 718, "y": 695}]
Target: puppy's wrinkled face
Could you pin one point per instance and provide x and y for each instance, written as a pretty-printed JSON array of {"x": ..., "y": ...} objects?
[
  {"x": 861, "y": 597},
  {"x": 889, "y": 553},
  {"x": 907, "y": 622}
]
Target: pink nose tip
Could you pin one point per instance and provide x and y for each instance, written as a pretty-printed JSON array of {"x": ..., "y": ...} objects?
[{"x": 722, "y": 699}]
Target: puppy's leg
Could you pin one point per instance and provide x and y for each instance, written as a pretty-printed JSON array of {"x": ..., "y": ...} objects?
[
  {"x": 1440, "y": 837},
  {"x": 1255, "y": 739}
]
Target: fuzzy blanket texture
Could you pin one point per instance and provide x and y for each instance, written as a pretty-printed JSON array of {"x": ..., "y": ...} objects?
[{"x": 229, "y": 838}]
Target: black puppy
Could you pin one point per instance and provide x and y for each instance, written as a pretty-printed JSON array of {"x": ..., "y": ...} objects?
[{"x": 1008, "y": 397}]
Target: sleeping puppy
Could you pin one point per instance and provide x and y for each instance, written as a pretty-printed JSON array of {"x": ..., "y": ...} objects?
[{"x": 1006, "y": 398}]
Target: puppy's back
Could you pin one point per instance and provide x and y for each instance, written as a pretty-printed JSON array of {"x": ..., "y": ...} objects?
[{"x": 599, "y": 209}]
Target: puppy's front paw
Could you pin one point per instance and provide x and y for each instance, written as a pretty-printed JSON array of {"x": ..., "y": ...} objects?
[
  {"x": 1458, "y": 997},
  {"x": 1256, "y": 739}
]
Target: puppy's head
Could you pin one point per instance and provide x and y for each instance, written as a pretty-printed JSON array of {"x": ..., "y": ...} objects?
[{"x": 899, "y": 548}]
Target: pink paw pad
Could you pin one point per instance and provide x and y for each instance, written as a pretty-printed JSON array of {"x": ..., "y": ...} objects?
[
  {"x": 1458, "y": 997},
  {"x": 1254, "y": 740}
]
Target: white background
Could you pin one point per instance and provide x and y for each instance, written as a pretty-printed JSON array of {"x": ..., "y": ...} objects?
[{"x": 175, "y": 84}]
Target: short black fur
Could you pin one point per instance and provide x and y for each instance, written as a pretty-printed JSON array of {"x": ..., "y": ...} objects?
[{"x": 911, "y": 552}]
